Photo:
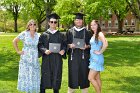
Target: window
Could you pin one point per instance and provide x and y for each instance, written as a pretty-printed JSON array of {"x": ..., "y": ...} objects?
[
  {"x": 116, "y": 23},
  {"x": 126, "y": 22},
  {"x": 109, "y": 23},
  {"x": 132, "y": 22},
  {"x": 103, "y": 23}
]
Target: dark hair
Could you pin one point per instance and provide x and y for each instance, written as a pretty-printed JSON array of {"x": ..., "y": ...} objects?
[{"x": 98, "y": 30}]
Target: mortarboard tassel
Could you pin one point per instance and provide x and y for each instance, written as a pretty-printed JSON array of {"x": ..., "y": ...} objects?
[
  {"x": 71, "y": 54},
  {"x": 83, "y": 55}
]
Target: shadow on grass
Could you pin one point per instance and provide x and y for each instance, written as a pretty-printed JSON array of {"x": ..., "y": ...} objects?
[
  {"x": 122, "y": 53},
  {"x": 134, "y": 81},
  {"x": 8, "y": 65},
  {"x": 131, "y": 84}
]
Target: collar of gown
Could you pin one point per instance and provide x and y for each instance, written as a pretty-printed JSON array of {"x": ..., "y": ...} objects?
[
  {"x": 78, "y": 29},
  {"x": 52, "y": 32}
]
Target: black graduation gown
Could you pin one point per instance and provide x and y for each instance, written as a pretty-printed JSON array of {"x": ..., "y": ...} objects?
[
  {"x": 78, "y": 67},
  {"x": 51, "y": 68}
]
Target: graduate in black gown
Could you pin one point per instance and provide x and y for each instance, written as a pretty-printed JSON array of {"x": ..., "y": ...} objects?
[
  {"x": 51, "y": 68},
  {"x": 78, "y": 58}
]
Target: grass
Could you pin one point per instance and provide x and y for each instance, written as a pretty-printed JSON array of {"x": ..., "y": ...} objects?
[
  {"x": 8, "y": 34},
  {"x": 122, "y": 66}
]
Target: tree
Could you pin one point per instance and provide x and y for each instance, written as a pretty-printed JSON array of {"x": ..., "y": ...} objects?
[
  {"x": 120, "y": 8},
  {"x": 4, "y": 16},
  {"x": 134, "y": 7},
  {"x": 105, "y": 9},
  {"x": 95, "y": 9},
  {"x": 49, "y": 8},
  {"x": 38, "y": 10},
  {"x": 66, "y": 8},
  {"x": 34, "y": 9},
  {"x": 13, "y": 6}
]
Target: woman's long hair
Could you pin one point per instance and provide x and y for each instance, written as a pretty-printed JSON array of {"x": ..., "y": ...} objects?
[{"x": 98, "y": 30}]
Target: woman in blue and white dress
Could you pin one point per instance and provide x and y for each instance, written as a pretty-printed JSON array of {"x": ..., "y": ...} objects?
[
  {"x": 29, "y": 67},
  {"x": 98, "y": 44}
]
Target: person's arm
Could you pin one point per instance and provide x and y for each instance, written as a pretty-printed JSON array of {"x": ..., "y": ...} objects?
[
  {"x": 41, "y": 46},
  {"x": 15, "y": 44},
  {"x": 63, "y": 44}
]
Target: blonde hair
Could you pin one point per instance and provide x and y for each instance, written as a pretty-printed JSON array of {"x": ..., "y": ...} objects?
[{"x": 28, "y": 24}]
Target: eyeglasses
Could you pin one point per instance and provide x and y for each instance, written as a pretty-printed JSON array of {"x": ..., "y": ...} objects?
[
  {"x": 53, "y": 22},
  {"x": 32, "y": 24}
]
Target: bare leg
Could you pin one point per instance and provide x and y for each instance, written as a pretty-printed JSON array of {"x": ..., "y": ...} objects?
[
  {"x": 70, "y": 90},
  {"x": 85, "y": 90},
  {"x": 99, "y": 80},
  {"x": 92, "y": 78}
]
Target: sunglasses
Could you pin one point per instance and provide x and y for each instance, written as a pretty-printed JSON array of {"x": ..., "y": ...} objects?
[
  {"x": 53, "y": 22},
  {"x": 32, "y": 24}
]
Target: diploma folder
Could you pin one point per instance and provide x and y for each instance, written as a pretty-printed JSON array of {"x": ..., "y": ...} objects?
[
  {"x": 79, "y": 43},
  {"x": 54, "y": 47}
]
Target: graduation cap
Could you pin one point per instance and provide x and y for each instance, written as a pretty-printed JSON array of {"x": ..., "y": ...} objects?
[
  {"x": 79, "y": 15},
  {"x": 53, "y": 15}
]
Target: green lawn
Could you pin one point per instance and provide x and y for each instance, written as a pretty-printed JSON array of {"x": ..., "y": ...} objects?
[{"x": 122, "y": 66}]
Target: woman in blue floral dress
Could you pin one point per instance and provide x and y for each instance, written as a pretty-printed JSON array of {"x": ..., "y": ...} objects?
[
  {"x": 98, "y": 44},
  {"x": 29, "y": 67}
]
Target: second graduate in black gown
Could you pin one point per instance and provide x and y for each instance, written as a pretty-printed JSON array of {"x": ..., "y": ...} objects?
[
  {"x": 51, "y": 69},
  {"x": 78, "y": 58}
]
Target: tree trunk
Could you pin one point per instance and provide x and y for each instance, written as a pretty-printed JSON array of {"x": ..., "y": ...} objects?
[
  {"x": 48, "y": 11},
  {"x": 120, "y": 25},
  {"x": 15, "y": 24},
  {"x": 15, "y": 14},
  {"x": 39, "y": 27},
  {"x": 48, "y": 7}
]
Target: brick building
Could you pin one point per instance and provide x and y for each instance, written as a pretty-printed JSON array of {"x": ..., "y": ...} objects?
[{"x": 130, "y": 23}]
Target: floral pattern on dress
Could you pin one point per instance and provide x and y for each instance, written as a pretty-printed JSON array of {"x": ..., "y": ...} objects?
[{"x": 29, "y": 67}]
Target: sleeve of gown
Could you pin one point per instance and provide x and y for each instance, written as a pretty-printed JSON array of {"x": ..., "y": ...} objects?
[
  {"x": 41, "y": 45},
  {"x": 88, "y": 37},
  {"x": 68, "y": 37},
  {"x": 64, "y": 45},
  {"x": 68, "y": 41},
  {"x": 21, "y": 36}
]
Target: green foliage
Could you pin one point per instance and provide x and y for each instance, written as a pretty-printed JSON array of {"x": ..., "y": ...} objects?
[
  {"x": 66, "y": 8},
  {"x": 134, "y": 7},
  {"x": 34, "y": 9},
  {"x": 21, "y": 25},
  {"x": 1, "y": 27},
  {"x": 119, "y": 7},
  {"x": 101, "y": 8},
  {"x": 37, "y": 9},
  {"x": 4, "y": 18},
  {"x": 8, "y": 27},
  {"x": 13, "y": 7},
  {"x": 92, "y": 10}
]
